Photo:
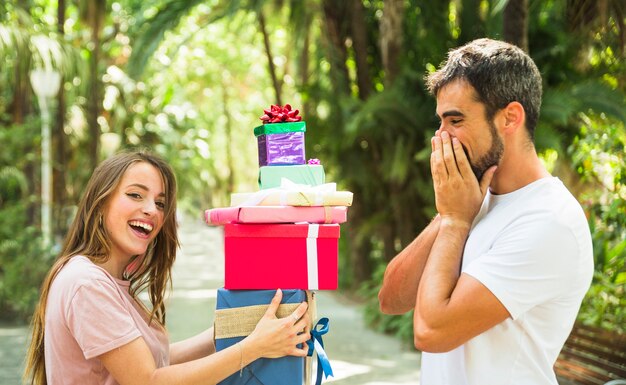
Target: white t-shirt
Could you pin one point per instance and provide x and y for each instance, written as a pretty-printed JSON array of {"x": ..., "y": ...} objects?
[
  {"x": 89, "y": 313},
  {"x": 532, "y": 249}
]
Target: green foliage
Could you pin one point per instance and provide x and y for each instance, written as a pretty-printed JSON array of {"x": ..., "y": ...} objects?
[
  {"x": 13, "y": 185},
  {"x": 190, "y": 78},
  {"x": 598, "y": 154},
  {"x": 23, "y": 264},
  {"x": 153, "y": 22},
  {"x": 605, "y": 303}
]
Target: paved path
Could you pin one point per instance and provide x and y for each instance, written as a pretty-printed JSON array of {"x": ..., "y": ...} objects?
[{"x": 358, "y": 355}]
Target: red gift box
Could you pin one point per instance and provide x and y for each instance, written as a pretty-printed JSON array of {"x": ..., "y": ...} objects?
[{"x": 286, "y": 256}]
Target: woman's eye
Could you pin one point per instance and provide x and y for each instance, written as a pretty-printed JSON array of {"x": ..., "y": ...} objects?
[
  {"x": 160, "y": 205},
  {"x": 134, "y": 195}
]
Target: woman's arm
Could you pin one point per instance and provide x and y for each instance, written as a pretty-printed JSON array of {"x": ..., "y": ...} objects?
[
  {"x": 193, "y": 348},
  {"x": 272, "y": 338}
]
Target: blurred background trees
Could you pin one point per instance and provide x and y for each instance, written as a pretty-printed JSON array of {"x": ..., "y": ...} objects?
[{"x": 189, "y": 79}]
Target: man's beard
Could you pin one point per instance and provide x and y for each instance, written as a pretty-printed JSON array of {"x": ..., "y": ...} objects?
[{"x": 491, "y": 158}]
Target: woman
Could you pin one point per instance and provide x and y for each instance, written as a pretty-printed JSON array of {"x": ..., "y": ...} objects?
[{"x": 89, "y": 326}]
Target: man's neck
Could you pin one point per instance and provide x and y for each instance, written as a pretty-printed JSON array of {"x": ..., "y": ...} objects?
[{"x": 516, "y": 170}]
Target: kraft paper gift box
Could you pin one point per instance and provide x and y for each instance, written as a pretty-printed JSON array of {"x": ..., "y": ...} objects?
[
  {"x": 276, "y": 214},
  {"x": 237, "y": 313},
  {"x": 281, "y": 143},
  {"x": 270, "y": 256},
  {"x": 271, "y": 176}
]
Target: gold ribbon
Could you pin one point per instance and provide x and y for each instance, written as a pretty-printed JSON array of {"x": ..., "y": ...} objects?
[
  {"x": 241, "y": 321},
  {"x": 327, "y": 214}
]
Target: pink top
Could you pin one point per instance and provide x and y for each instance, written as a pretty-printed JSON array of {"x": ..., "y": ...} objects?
[{"x": 89, "y": 313}]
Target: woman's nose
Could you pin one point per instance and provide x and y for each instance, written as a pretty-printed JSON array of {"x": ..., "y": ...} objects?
[{"x": 149, "y": 207}]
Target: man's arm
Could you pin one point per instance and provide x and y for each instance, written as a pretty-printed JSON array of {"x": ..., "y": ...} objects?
[
  {"x": 402, "y": 276},
  {"x": 451, "y": 307}
]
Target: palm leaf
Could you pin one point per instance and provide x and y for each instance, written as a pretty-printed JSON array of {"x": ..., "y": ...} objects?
[
  {"x": 561, "y": 105},
  {"x": 498, "y": 6},
  {"x": 600, "y": 98},
  {"x": 19, "y": 42},
  {"x": 13, "y": 184},
  {"x": 151, "y": 30}
]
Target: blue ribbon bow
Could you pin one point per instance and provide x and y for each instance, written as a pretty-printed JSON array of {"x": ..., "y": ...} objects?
[{"x": 316, "y": 343}]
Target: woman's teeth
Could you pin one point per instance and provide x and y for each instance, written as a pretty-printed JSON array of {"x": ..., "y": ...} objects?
[{"x": 147, "y": 228}]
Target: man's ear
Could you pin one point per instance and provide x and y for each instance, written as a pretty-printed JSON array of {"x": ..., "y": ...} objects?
[{"x": 514, "y": 117}]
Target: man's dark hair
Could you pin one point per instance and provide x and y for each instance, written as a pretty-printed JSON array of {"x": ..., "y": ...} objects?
[{"x": 500, "y": 73}]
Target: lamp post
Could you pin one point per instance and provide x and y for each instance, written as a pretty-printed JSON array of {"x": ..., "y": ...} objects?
[{"x": 46, "y": 83}]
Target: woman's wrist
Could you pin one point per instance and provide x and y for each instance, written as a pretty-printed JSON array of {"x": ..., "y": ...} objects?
[{"x": 249, "y": 350}]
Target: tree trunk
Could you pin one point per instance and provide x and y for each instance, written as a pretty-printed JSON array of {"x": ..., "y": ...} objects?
[
  {"x": 360, "y": 45},
  {"x": 334, "y": 15},
  {"x": 19, "y": 106},
  {"x": 391, "y": 38},
  {"x": 359, "y": 246},
  {"x": 303, "y": 67},
  {"x": 59, "y": 146},
  {"x": 96, "y": 11},
  {"x": 515, "y": 23},
  {"x": 270, "y": 59},
  {"x": 230, "y": 162},
  {"x": 472, "y": 25}
]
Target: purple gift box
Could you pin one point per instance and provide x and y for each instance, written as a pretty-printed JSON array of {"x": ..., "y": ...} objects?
[{"x": 281, "y": 143}]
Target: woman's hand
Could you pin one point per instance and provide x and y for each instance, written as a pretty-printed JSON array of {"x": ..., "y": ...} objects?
[{"x": 277, "y": 337}]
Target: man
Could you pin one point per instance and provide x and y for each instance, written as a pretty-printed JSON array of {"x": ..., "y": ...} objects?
[{"x": 497, "y": 278}]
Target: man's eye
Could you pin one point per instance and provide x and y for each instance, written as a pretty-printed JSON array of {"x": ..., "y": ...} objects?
[{"x": 455, "y": 121}]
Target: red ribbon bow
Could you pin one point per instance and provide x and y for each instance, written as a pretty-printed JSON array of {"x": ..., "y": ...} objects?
[{"x": 278, "y": 114}]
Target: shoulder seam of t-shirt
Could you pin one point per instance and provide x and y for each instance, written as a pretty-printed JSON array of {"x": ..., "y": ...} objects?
[{"x": 83, "y": 283}]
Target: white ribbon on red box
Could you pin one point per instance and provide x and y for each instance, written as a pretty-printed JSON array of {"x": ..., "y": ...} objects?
[{"x": 311, "y": 256}]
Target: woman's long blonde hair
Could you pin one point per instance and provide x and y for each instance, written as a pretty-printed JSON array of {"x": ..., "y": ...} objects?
[{"x": 87, "y": 236}]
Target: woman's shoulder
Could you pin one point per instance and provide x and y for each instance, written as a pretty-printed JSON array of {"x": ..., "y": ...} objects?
[{"x": 81, "y": 271}]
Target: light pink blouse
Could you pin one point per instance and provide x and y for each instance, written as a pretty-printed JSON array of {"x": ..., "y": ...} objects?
[{"x": 88, "y": 313}]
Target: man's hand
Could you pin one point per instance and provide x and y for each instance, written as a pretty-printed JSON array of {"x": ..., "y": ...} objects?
[
  {"x": 445, "y": 295},
  {"x": 458, "y": 195}
]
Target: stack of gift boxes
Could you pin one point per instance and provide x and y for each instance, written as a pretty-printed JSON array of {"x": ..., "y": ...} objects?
[{"x": 283, "y": 236}]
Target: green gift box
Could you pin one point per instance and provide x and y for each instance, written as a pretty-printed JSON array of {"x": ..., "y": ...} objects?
[
  {"x": 312, "y": 175},
  {"x": 279, "y": 128}
]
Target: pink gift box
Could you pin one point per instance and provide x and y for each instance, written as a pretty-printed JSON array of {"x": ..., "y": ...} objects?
[
  {"x": 285, "y": 256},
  {"x": 276, "y": 214}
]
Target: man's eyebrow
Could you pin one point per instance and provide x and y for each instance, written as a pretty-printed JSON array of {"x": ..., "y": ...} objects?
[
  {"x": 143, "y": 187},
  {"x": 452, "y": 113}
]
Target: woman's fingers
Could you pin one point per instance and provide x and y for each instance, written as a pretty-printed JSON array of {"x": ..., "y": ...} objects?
[
  {"x": 299, "y": 352},
  {"x": 299, "y": 312},
  {"x": 304, "y": 324},
  {"x": 271, "y": 310}
]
